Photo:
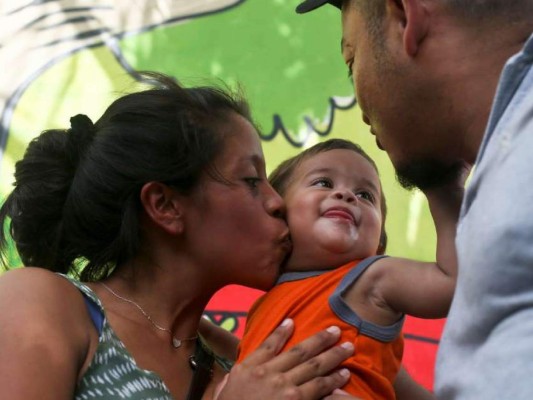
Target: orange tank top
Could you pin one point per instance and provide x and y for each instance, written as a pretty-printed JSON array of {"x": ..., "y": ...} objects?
[{"x": 313, "y": 299}]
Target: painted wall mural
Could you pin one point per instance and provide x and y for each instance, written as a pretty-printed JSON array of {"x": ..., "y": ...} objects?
[{"x": 63, "y": 57}]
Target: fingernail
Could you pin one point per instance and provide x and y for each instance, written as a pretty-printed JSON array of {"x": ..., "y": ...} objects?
[
  {"x": 334, "y": 330},
  {"x": 344, "y": 373},
  {"x": 286, "y": 322},
  {"x": 348, "y": 346}
]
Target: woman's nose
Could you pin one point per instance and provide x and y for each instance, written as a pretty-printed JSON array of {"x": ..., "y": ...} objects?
[{"x": 274, "y": 204}]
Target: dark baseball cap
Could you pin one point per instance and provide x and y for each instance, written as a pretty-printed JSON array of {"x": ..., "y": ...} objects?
[{"x": 310, "y": 5}]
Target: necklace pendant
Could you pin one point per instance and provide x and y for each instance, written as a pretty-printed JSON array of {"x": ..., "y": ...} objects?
[{"x": 176, "y": 343}]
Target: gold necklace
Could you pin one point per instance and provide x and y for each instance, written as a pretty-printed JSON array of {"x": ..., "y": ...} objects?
[{"x": 176, "y": 343}]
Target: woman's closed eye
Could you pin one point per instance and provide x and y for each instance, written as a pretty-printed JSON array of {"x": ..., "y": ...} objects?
[{"x": 252, "y": 181}]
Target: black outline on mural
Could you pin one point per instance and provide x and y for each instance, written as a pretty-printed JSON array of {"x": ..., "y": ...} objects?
[
  {"x": 278, "y": 125},
  {"x": 110, "y": 41}
]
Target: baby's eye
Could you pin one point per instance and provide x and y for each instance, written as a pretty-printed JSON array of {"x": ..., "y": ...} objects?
[
  {"x": 366, "y": 196},
  {"x": 322, "y": 182}
]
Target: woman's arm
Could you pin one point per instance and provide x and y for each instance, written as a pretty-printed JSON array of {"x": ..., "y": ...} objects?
[
  {"x": 43, "y": 337},
  {"x": 222, "y": 342}
]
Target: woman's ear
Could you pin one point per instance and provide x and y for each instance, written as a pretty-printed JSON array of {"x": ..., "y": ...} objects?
[{"x": 163, "y": 207}]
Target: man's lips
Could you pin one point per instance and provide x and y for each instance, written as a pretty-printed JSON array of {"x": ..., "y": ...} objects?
[{"x": 339, "y": 212}]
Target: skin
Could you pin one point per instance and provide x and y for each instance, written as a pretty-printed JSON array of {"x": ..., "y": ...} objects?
[
  {"x": 174, "y": 250},
  {"x": 426, "y": 85},
  {"x": 334, "y": 210}
]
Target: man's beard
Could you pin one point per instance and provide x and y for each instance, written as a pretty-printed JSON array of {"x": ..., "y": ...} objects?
[{"x": 427, "y": 174}]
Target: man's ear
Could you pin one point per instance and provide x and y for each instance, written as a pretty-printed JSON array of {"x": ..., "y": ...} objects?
[
  {"x": 413, "y": 18},
  {"x": 163, "y": 207}
]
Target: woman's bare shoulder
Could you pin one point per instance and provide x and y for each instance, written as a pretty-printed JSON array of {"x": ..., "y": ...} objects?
[
  {"x": 44, "y": 333},
  {"x": 34, "y": 298},
  {"x": 30, "y": 283}
]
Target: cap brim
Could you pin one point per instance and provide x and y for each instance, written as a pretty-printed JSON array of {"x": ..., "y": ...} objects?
[{"x": 310, "y": 5}]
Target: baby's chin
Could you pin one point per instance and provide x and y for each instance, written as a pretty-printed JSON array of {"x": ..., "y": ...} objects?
[
  {"x": 340, "y": 246},
  {"x": 336, "y": 237}
]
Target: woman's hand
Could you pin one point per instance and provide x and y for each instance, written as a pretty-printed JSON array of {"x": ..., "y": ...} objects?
[
  {"x": 304, "y": 372},
  {"x": 339, "y": 394}
]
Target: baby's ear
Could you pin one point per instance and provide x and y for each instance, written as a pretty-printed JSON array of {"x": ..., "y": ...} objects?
[
  {"x": 163, "y": 207},
  {"x": 382, "y": 246}
]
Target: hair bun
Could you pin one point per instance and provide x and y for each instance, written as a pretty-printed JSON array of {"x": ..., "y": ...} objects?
[{"x": 81, "y": 135}]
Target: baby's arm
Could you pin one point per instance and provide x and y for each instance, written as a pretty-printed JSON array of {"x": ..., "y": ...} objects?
[
  {"x": 422, "y": 289},
  {"x": 406, "y": 388}
]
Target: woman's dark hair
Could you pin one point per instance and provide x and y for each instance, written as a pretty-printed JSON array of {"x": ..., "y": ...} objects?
[
  {"x": 76, "y": 195},
  {"x": 281, "y": 177}
]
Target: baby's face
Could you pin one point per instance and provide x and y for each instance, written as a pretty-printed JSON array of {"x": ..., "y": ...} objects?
[{"x": 333, "y": 210}]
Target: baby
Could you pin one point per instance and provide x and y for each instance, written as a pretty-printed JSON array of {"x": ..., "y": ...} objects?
[{"x": 337, "y": 273}]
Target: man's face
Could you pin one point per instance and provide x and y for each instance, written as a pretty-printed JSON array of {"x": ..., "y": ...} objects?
[{"x": 400, "y": 97}]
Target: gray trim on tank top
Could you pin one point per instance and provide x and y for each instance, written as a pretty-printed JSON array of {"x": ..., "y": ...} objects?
[{"x": 342, "y": 310}]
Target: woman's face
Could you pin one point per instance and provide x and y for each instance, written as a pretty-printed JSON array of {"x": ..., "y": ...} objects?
[{"x": 236, "y": 228}]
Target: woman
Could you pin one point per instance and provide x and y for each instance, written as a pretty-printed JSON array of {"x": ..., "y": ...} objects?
[{"x": 160, "y": 203}]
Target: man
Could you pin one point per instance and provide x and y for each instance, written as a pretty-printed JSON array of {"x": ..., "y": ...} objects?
[{"x": 444, "y": 83}]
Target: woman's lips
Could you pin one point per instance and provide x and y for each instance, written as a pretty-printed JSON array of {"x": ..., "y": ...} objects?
[{"x": 286, "y": 243}]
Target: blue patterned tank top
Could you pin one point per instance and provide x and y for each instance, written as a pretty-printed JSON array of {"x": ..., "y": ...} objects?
[{"x": 113, "y": 373}]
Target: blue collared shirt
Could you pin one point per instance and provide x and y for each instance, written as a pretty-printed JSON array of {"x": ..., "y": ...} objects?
[{"x": 486, "y": 350}]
